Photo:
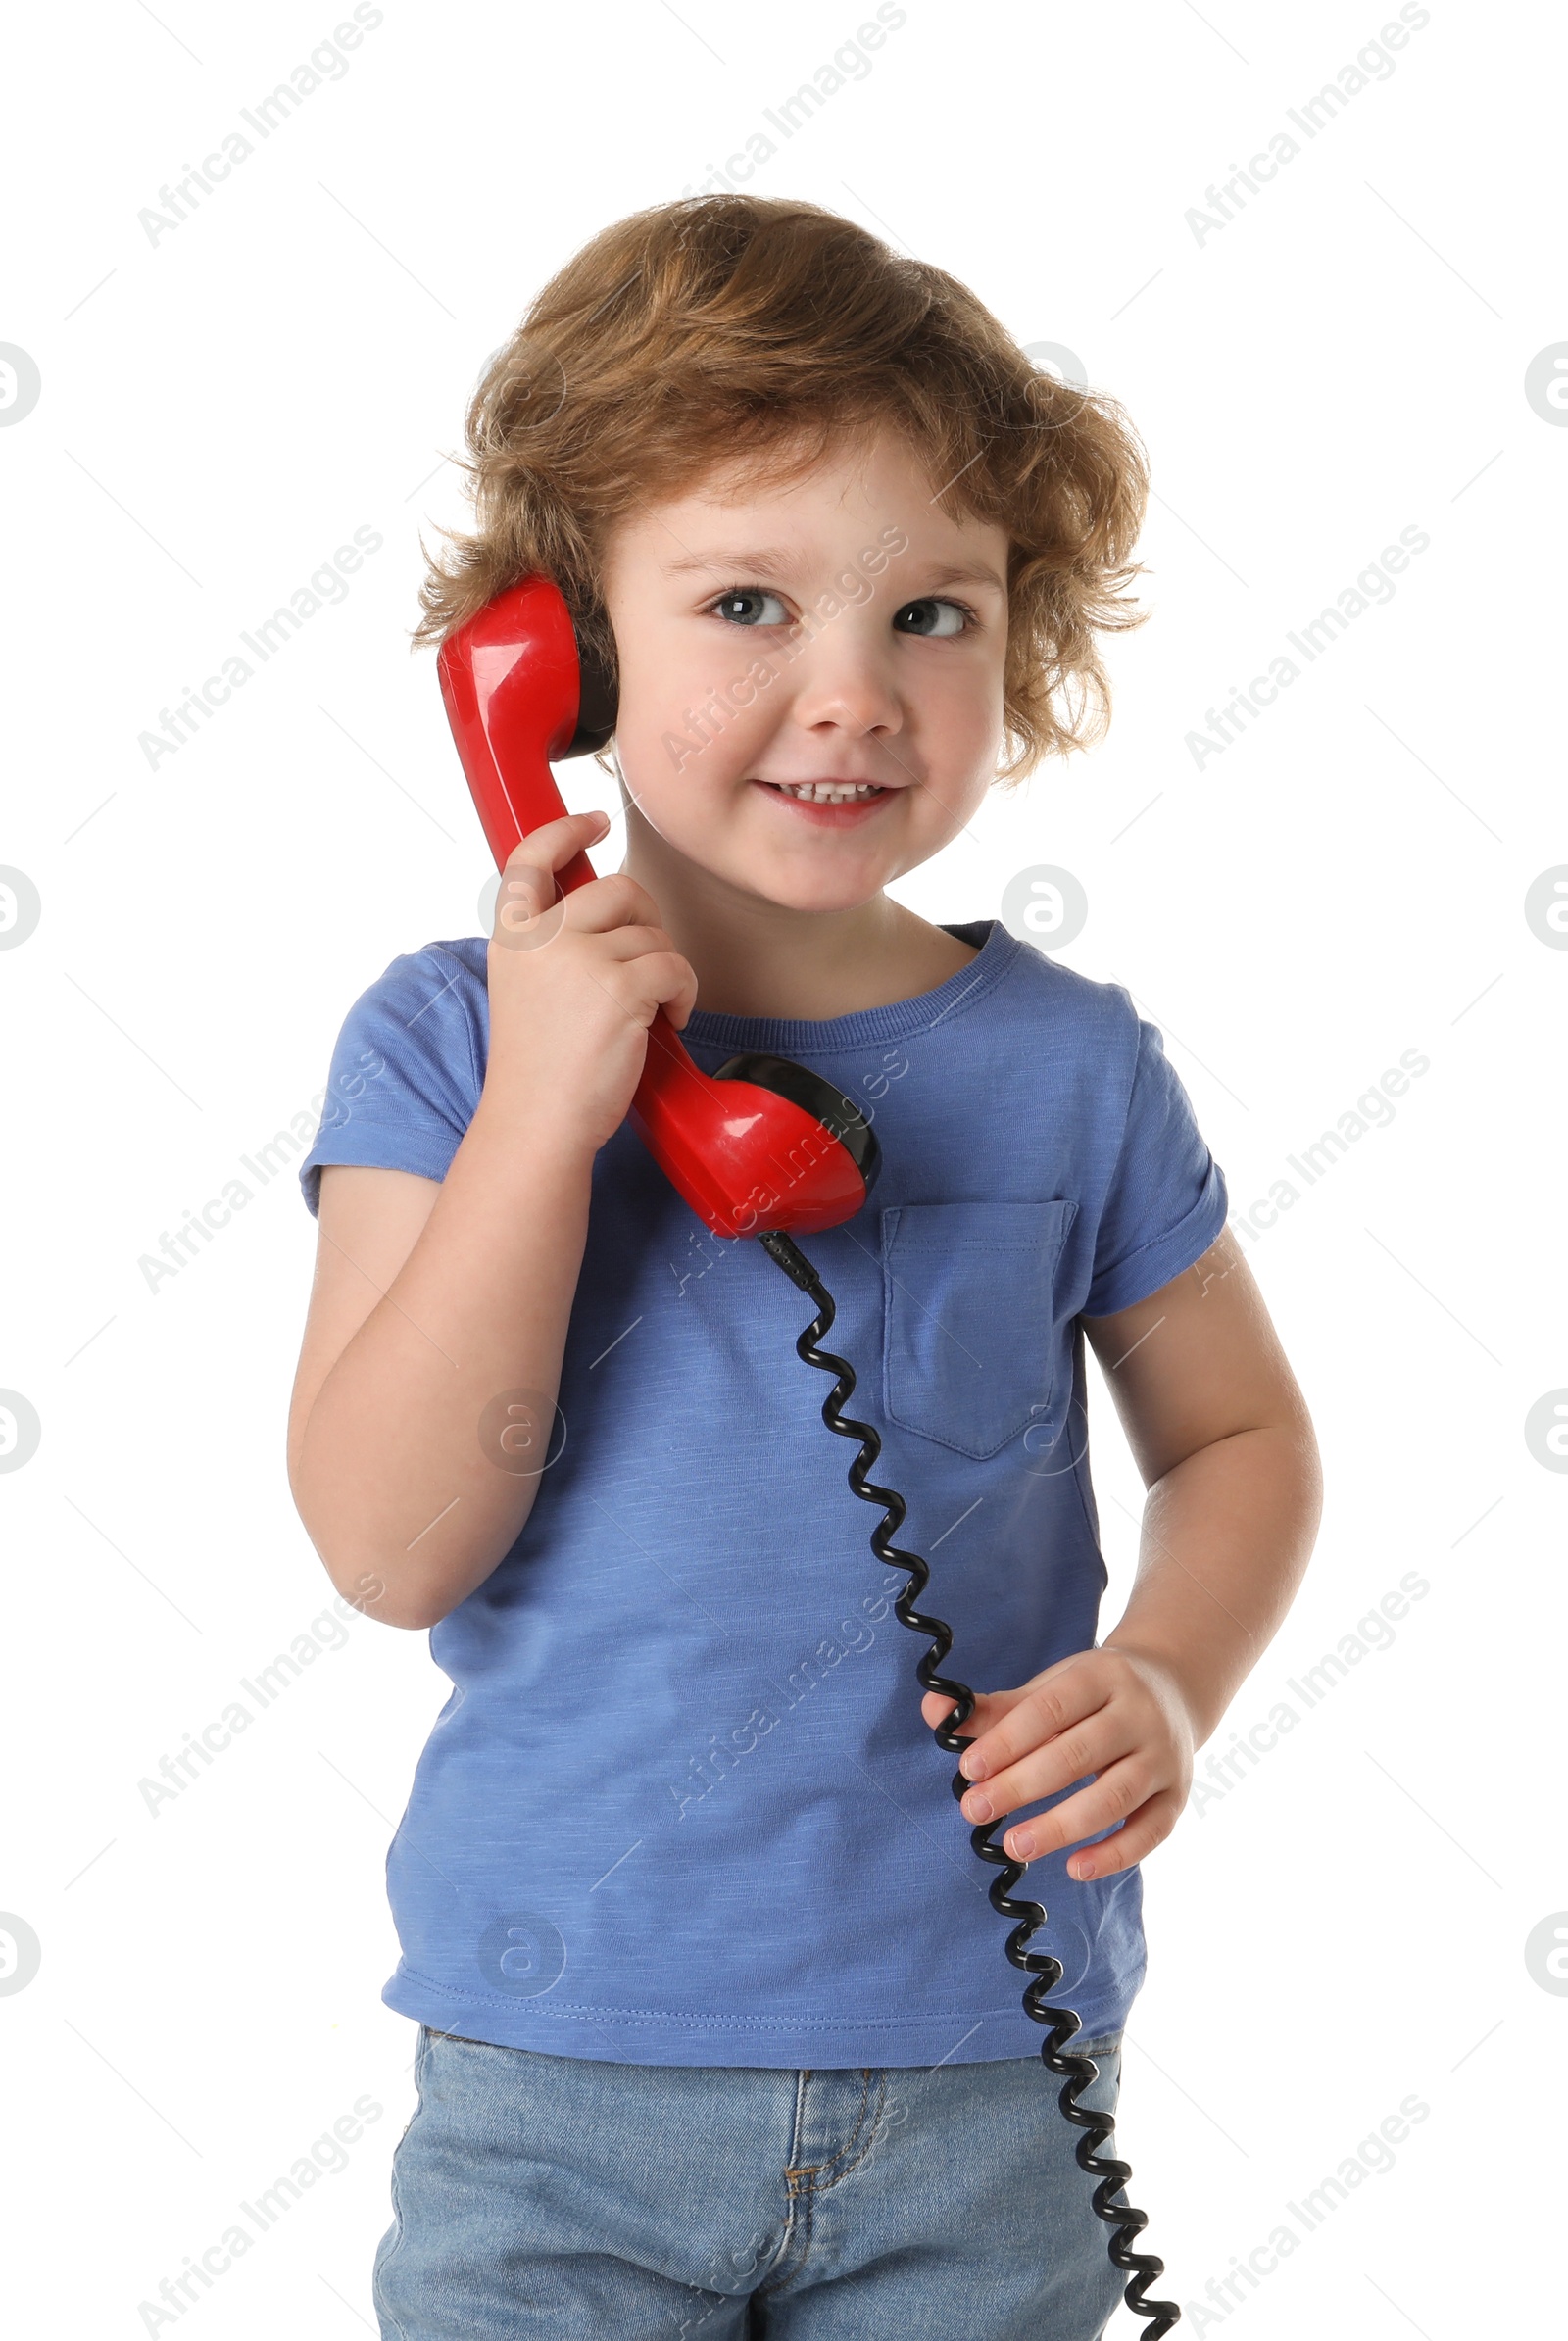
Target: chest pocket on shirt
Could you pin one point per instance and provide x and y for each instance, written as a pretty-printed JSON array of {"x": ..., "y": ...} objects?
[{"x": 969, "y": 1333}]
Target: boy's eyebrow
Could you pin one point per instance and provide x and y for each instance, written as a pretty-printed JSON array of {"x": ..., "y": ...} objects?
[
  {"x": 735, "y": 560},
  {"x": 742, "y": 557},
  {"x": 964, "y": 573}
]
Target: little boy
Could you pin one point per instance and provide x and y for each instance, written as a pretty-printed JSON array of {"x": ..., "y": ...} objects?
[{"x": 717, "y": 2028}]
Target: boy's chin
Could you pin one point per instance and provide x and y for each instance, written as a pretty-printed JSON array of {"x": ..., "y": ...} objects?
[
  {"x": 821, "y": 894},
  {"x": 787, "y": 884}
]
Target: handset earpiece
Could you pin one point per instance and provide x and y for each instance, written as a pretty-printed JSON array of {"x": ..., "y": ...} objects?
[{"x": 597, "y": 704}]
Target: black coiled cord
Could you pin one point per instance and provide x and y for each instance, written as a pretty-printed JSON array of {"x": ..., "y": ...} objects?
[{"x": 1077, "y": 2072}]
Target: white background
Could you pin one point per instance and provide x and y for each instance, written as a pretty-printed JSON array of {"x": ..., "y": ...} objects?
[{"x": 219, "y": 410}]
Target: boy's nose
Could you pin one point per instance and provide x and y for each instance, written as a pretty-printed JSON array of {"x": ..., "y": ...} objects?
[{"x": 844, "y": 685}]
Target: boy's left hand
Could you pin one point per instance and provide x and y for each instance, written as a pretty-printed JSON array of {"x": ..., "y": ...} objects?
[{"x": 1107, "y": 1712}]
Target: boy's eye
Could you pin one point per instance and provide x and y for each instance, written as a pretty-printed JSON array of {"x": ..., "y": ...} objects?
[
  {"x": 933, "y": 617},
  {"x": 734, "y": 607}
]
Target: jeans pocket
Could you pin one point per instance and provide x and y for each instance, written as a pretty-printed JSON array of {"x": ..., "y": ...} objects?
[
  {"x": 1101, "y": 2095},
  {"x": 972, "y": 1349}
]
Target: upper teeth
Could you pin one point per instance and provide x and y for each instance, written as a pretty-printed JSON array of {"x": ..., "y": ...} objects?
[{"x": 830, "y": 791}]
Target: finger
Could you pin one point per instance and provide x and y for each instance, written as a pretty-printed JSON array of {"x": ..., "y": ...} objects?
[
  {"x": 527, "y": 895},
  {"x": 679, "y": 1003},
  {"x": 1109, "y": 1798},
  {"x": 554, "y": 843},
  {"x": 663, "y": 980},
  {"x": 633, "y": 942},
  {"x": 541, "y": 851},
  {"x": 615, "y": 900},
  {"x": 531, "y": 909},
  {"x": 674, "y": 983},
  {"x": 1146, "y": 1828},
  {"x": 1034, "y": 1715},
  {"x": 939, "y": 1703},
  {"x": 938, "y": 1709},
  {"x": 1090, "y": 1746}
]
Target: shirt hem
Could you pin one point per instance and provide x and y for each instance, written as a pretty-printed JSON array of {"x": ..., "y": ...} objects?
[
  {"x": 424, "y": 1149},
  {"x": 1144, "y": 1271},
  {"x": 655, "y": 2037}
]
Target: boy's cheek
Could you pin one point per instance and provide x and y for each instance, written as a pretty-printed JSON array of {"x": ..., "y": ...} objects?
[{"x": 678, "y": 749}]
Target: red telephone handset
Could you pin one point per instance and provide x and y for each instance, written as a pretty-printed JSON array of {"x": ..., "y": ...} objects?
[{"x": 763, "y": 1145}]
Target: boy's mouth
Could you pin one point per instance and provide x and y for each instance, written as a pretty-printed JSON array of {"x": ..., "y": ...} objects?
[{"x": 830, "y": 804}]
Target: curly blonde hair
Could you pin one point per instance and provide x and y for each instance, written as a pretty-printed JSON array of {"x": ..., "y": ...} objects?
[{"x": 756, "y": 334}]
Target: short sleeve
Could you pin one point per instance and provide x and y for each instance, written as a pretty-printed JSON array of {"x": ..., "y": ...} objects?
[
  {"x": 406, "y": 1073},
  {"x": 1166, "y": 1201}
]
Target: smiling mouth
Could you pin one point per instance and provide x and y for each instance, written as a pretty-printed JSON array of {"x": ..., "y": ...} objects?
[{"x": 828, "y": 792}]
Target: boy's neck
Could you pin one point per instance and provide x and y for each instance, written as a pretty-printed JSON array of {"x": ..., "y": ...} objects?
[{"x": 759, "y": 958}]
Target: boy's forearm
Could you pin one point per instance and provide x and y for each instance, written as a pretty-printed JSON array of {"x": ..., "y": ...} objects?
[
  {"x": 1226, "y": 1539},
  {"x": 411, "y": 1473}
]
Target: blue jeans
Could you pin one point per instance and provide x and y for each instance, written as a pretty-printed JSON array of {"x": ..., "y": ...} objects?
[{"x": 547, "y": 2198}]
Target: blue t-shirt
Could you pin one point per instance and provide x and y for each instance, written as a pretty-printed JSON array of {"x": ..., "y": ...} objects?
[{"x": 681, "y": 1806}]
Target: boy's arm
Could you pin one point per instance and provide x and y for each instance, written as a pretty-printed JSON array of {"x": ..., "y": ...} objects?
[
  {"x": 432, "y": 1305},
  {"x": 1223, "y": 1440},
  {"x": 425, "y": 1398}
]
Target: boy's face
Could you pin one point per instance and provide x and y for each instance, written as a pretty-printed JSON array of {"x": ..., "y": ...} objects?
[{"x": 838, "y": 629}]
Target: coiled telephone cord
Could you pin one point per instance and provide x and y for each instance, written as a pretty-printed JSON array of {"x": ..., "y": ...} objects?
[{"x": 1077, "y": 2072}]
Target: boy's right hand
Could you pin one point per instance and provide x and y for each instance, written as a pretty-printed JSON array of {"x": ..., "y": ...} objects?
[{"x": 574, "y": 985}]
